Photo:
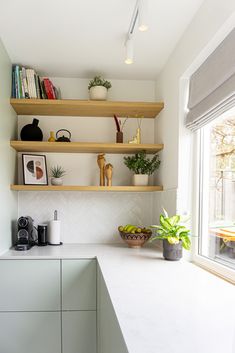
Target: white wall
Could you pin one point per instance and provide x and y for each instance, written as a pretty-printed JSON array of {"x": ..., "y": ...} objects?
[
  {"x": 8, "y": 199},
  {"x": 91, "y": 217},
  {"x": 123, "y": 90},
  {"x": 200, "y": 38}
]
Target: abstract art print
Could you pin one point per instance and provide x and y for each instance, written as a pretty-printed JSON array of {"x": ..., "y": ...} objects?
[{"x": 34, "y": 169}]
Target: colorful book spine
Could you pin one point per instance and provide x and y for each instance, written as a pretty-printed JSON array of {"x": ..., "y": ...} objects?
[
  {"x": 22, "y": 85},
  {"x": 37, "y": 86},
  {"x": 29, "y": 83},
  {"x": 52, "y": 89},
  {"x": 13, "y": 88},
  {"x": 18, "y": 83},
  {"x": 25, "y": 83},
  {"x": 33, "y": 84},
  {"x": 44, "y": 90},
  {"x": 48, "y": 87},
  {"x": 42, "y": 95}
]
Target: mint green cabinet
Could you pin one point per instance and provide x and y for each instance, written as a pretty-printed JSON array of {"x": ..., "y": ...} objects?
[
  {"x": 109, "y": 335},
  {"x": 79, "y": 284},
  {"x": 79, "y": 332},
  {"x": 48, "y": 306},
  {"x": 78, "y": 306},
  {"x": 30, "y": 332},
  {"x": 29, "y": 285}
]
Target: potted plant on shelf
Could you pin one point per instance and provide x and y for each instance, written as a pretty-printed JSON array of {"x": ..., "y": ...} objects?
[
  {"x": 142, "y": 167},
  {"x": 57, "y": 173},
  {"x": 175, "y": 236},
  {"x": 98, "y": 88}
]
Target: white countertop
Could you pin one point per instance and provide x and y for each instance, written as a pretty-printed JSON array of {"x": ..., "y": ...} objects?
[{"x": 161, "y": 306}]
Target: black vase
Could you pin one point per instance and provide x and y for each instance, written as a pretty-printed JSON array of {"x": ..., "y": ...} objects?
[{"x": 31, "y": 132}]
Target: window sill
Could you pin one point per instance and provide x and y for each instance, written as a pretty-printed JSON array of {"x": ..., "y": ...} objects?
[{"x": 215, "y": 268}]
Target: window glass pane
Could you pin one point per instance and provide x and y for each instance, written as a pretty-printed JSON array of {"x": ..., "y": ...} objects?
[{"x": 217, "y": 190}]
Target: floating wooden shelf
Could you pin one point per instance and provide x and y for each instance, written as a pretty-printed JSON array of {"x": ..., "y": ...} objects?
[
  {"x": 69, "y": 107},
  {"x": 84, "y": 147},
  {"x": 85, "y": 188}
]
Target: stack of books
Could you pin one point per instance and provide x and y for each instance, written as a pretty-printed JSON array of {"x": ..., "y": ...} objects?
[{"x": 26, "y": 83}]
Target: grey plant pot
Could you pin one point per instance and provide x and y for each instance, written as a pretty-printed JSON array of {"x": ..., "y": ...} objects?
[{"x": 172, "y": 252}]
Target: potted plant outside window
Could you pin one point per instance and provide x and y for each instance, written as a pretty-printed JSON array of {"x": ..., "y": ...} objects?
[
  {"x": 142, "y": 167},
  {"x": 98, "y": 88},
  {"x": 57, "y": 173},
  {"x": 175, "y": 236}
]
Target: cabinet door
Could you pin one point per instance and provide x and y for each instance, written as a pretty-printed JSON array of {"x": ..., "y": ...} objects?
[
  {"x": 79, "y": 332},
  {"x": 30, "y": 332},
  {"x": 29, "y": 285},
  {"x": 79, "y": 285}
]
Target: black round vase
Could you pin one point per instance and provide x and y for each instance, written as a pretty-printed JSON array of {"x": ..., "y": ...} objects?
[{"x": 31, "y": 132}]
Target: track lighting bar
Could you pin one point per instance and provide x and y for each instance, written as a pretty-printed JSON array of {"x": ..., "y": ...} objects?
[{"x": 140, "y": 13}]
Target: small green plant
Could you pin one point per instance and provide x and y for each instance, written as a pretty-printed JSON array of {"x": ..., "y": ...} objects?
[
  {"x": 140, "y": 164},
  {"x": 57, "y": 172},
  {"x": 99, "y": 81},
  {"x": 171, "y": 229}
]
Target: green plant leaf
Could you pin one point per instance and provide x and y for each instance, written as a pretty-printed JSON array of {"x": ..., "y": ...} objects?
[
  {"x": 186, "y": 242},
  {"x": 173, "y": 240},
  {"x": 165, "y": 212},
  {"x": 140, "y": 164},
  {"x": 164, "y": 223},
  {"x": 173, "y": 220},
  {"x": 158, "y": 227}
]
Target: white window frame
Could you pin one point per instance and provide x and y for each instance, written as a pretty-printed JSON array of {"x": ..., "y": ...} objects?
[
  {"x": 191, "y": 185},
  {"x": 217, "y": 268}
]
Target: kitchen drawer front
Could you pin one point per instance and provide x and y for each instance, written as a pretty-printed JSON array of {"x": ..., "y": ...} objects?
[
  {"x": 30, "y": 332},
  {"x": 29, "y": 285},
  {"x": 79, "y": 332},
  {"x": 79, "y": 285}
]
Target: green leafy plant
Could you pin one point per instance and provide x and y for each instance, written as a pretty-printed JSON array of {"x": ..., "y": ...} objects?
[
  {"x": 140, "y": 164},
  {"x": 57, "y": 172},
  {"x": 99, "y": 81},
  {"x": 171, "y": 229}
]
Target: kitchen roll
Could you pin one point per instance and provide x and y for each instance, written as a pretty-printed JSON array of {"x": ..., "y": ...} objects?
[{"x": 54, "y": 232}]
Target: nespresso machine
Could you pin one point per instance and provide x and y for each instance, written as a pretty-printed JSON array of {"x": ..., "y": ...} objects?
[{"x": 25, "y": 234}]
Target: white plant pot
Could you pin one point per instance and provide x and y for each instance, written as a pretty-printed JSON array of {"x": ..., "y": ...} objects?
[
  {"x": 56, "y": 181},
  {"x": 98, "y": 93},
  {"x": 140, "y": 179}
]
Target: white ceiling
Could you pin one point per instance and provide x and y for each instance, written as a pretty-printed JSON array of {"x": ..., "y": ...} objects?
[{"x": 80, "y": 38}]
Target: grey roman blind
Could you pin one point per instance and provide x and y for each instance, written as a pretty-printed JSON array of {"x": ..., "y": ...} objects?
[{"x": 212, "y": 86}]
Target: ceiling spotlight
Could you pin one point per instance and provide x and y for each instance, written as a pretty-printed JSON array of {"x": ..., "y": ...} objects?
[
  {"x": 142, "y": 15},
  {"x": 129, "y": 51}
]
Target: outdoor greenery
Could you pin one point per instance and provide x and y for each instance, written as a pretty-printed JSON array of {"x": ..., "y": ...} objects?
[
  {"x": 171, "y": 229},
  {"x": 140, "y": 164},
  {"x": 223, "y": 144},
  {"x": 57, "y": 172},
  {"x": 99, "y": 81}
]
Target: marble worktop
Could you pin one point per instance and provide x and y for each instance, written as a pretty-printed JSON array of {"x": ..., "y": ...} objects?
[{"x": 161, "y": 306}]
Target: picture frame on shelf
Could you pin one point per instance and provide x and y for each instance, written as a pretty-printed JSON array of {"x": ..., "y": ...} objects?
[{"x": 34, "y": 169}]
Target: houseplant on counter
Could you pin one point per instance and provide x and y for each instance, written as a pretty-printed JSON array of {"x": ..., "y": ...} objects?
[
  {"x": 142, "y": 167},
  {"x": 175, "y": 236},
  {"x": 98, "y": 88},
  {"x": 57, "y": 173}
]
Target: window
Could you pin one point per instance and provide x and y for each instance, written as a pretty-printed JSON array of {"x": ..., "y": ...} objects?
[{"x": 217, "y": 190}]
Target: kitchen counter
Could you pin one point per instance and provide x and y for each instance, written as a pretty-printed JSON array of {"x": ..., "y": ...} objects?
[{"x": 161, "y": 306}]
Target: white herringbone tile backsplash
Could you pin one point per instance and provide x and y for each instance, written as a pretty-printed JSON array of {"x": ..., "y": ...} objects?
[{"x": 88, "y": 217}]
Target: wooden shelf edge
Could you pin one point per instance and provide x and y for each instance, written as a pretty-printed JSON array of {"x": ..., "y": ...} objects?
[
  {"x": 83, "y": 147},
  {"x": 85, "y": 188},
  {"x": 72, "y": 107}
]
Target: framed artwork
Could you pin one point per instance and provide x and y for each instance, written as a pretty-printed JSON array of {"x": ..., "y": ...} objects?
[{"x": 34, "y": 169}]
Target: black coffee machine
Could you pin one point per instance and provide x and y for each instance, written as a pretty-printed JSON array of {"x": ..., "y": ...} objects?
[{"x": 25, "y": 235}]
